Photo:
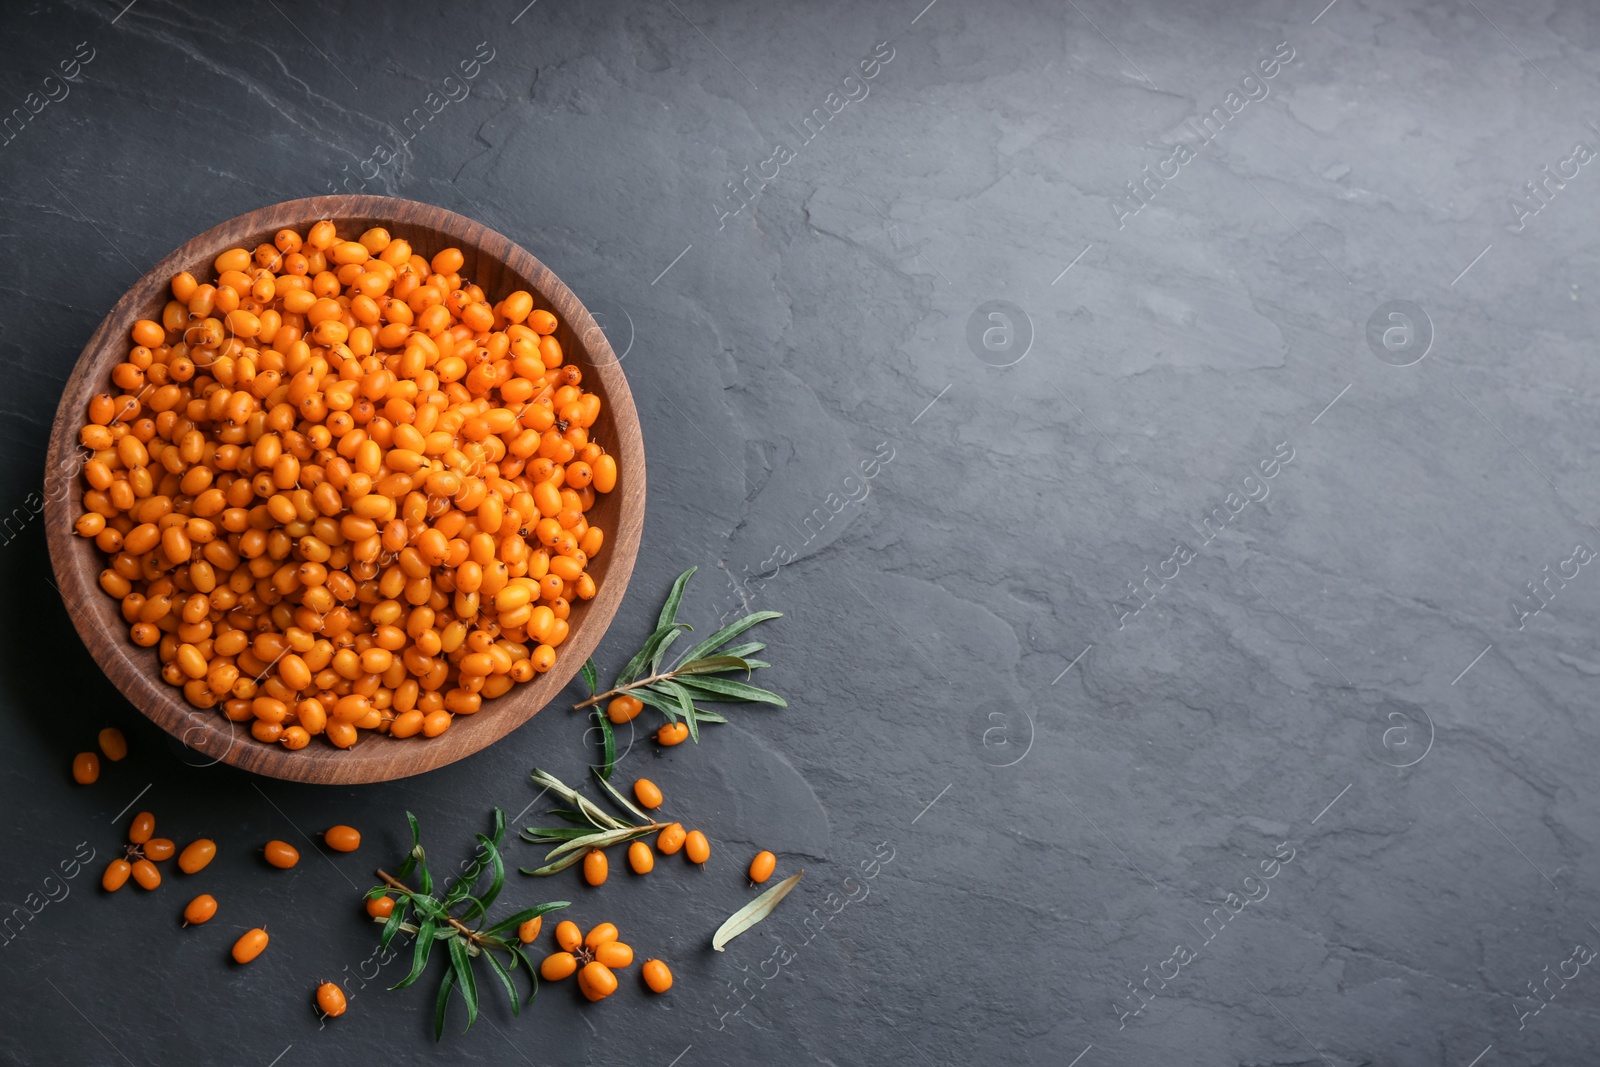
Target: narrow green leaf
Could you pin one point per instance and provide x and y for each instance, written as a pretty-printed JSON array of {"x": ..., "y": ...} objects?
[
  {"x": 727, "y": 633},
  {"x": 601, "y": 840},
  {"x": 465, "y": 978},
  {"x": 391, "y": 925},
  {"x": 685, "y": 706},
  {"x": 497, "y": 869},
  {"x": 555, "y": 833},
  {"x": 608, "y": 743},
  {"x": 642, "y": 657},
  {"x": 443, "y": 1004},
  {"x": 713, "y": 664},
  {"x": 753, "y": 912},
  {"x": 505, "y": 978},
  {"x": 667, "y": 706},
  {"x": 416, "y": 830},
  {"x": 669, "y": 610},
  {"x": 533, "y": 972},
  {"x": 555, "y": 868},
  {"x": 661, "y": 651},
  {"x": 419, "y": 953},
  {"x": 744, "y": 651},
  {"x": 729, "y": 689},
  {"x": 576, "y": 799},
  {"x": 591, "y": 677},
  {"x": 702, "y": 715},
  {"x": 621, "y": 800},
  {"x": 568, "y": 815}
]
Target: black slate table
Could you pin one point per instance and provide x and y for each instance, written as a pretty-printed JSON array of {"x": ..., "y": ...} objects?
[{"x": 1168, "y": 429}]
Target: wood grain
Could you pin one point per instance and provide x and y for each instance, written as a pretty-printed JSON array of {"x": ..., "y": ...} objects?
[{"x": 499, "y": 266}]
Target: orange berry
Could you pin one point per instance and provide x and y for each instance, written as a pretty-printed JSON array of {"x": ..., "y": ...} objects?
[
  {"x": 595, "y": 867},
  {"x": 568, "y": 936},
  {"x": 380, "y": 907},
  {"x": 200, "y": 909},
  {"x": 647, "y": 793},
  {"x": 530, "y": 929},
  {"x": 557, "y": 965},
  {"x": 145, "y": 873},
  {"x": 281, "y": 854},
  {"x": 249, "y": 945},
  {"x": 342, "y": 838},
  {"x": 656, "y": 976},
  {"x": 600, "y": 935},
  {"x": 762, "y": 866},
  {"x": 143, "y": 825},
  {"x": 116, "y": 875},
  {"x": 158, "y": 849},
  {"x": 640, "y": 858},
  {"x": 696, "y": 847},
  {"x": 330, "y": 998},
  {"x": 85, "y": 768},
  {"x": 673, "y": 733},
  {"x": 596, "y": 981},
  {"x": 113, "y": 744},
  {"x": 670, "y": 839},
  {"x": 196, "y": 855},
  {"x": 614, "y": 954},
  {"x": 623, "y": 708}
]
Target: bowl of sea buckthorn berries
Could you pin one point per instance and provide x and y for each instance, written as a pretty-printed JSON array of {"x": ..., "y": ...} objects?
[{"x": 344, "y": 489}]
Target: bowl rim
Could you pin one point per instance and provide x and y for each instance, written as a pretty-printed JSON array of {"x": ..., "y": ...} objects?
[{"x": 98, "y": 620}]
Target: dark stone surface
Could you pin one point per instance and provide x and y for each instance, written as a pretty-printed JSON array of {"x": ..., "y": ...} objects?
[{"x": 1338, "y": 675}]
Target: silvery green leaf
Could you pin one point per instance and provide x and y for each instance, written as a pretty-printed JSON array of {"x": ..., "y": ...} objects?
[{"x": 753, "y": 912}]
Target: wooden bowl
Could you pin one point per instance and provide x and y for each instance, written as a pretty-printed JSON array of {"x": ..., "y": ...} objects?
[{"x": 499, "y": 266}]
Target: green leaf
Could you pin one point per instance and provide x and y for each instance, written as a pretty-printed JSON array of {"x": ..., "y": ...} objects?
[
  {"x": 702, "y": 715},
  {"x": 416, "y": 830},
  {"x": 661, "y": 650},
  {"x": 608, "y": 743},
  {"x": 732, "y": 630},
  {"x": 555, "y": 833},
  {"x": 621, "y": 800},
  {"x": 753, "y": 912},
  {"x": 713, "y": 664},
  {"x": 669, "y": 610},
  {"x": 591, "y": 677},
  {"x": 576, "y": 799},
  {"x": 505, "y": 978},
  {"x": 511, "y": 922},
  {"x": 651, "y": 643},
  {"x": 497, "y": 879},
  {"x": 601, "y": 840},
  {"x": 469, "y": 984},
  {"x": 729, "y": 689},
  {"x": 744, "y": 651},
  {"x": 685, "y": 705},
  {"x": 391, "y": 925},
  {"x": 555, "y": 868},
  {"x": 568, "y": 815},
  {"x": 667, "y": 706},
  {"x": 443, "y": 1004},
  {"x": 421, "y": 948},
  {"x": 533, "y": 972}
]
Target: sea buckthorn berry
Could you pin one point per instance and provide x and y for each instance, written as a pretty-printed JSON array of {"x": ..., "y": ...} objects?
[
  {"x": 641, "y": 858},
  {"x": 557, "y": 965},
  {"x": 342, "y": 838},
  {"x": 380, "y": 907},
  {"x": 113, "y": 744},
  {"x": 85, "y": 768},
  {"x": 600, "y": 934},
  {"x": 116, "y": 875},
  {"x": 596, "y": 981},
  {"x": 200, "y": 910},
  {"x": 595, "y": 867},
  {"x": 281, "y": 854},
  {"x": 614, "y": 954},
  {"x": 143, "y": 825},
  {"x": 159, "y": 849},
  {"x": 568, "y": 936},
  {"x": 145, "y": 873},
  {"x": 647, "y": 793},
  {"x": 249, "y": 945},
  {"x": 330, "y": 998},
  {"x": 528, "y": 931},
  {"x": 696, "y": 847},
  {"x": 656, "y": 976},
  {"x": 623, "y": 708},
  {"x": 196, "y": 854},
  {"x": 670, "y": 839},
  {"x": 672, "y": 733},
  {"x": 762, "y": 866}
]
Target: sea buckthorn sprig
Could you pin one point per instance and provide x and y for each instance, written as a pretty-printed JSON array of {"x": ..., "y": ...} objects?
[
  {"x": 459, "y": 919},
  {"x": 700, "y": 674},
  {"x": 341, "y": 490},
  {"x": 594, "y": 829}
]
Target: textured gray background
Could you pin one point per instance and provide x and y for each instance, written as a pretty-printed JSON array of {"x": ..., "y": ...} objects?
[{"x": 1360, "y": 617}]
